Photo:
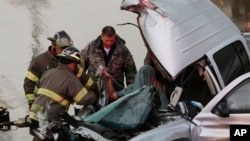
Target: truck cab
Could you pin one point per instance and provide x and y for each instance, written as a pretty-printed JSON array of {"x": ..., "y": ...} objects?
[{"x": 198, "y": 48}]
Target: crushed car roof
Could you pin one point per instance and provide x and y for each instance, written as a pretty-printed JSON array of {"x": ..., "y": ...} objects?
[{"x": 181, "y": 31}]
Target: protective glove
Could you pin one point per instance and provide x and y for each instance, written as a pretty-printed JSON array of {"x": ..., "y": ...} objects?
[{"x": 102, "y": 71}]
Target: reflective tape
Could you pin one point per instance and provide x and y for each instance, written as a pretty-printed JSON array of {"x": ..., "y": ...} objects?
[
  {"x": 33, "y": 115},
  {"x": 80, "y": 95},
  {"x": 89, "y": 83},
  {"x": 30, "y": 97},
  {"x": 31, "y": 76},
  {"x": 56, "y": 97},
  {"x": 36, "y": 91}
]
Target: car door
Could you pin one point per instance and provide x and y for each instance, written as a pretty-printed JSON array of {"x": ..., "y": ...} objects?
[
  {"x": 229, "y": 107},
  {"x": 229, "y": 61}
]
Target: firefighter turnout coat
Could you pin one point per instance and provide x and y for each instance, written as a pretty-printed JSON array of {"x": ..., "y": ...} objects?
[
  {"x": 38, "y": 65},
  {"x": 57, "y": 89}
]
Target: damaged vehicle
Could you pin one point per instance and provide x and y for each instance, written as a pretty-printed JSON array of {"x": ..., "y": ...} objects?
[
  {"x": 229, "y": 107},
  {"x": 200, "y": 51}
]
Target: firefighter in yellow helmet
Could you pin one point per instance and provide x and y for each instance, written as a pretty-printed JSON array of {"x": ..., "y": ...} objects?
[{"x": 59, "y": 87}]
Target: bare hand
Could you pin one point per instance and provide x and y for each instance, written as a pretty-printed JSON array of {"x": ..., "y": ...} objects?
[{"x": 112, "y": 96}]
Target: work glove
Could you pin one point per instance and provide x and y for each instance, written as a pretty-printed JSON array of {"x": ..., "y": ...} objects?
[{"x": 102, "y": 71}]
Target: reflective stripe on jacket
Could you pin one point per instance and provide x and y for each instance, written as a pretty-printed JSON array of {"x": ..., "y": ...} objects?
[
  {"x": 58, "y": 87},
  {"x": 53, "y": 95},
  {"x": 37, "y": 67}
]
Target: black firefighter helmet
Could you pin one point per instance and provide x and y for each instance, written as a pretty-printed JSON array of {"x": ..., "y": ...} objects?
[
  {"x": 61, "y": 39},
  {"x": 70, "y": 54}
]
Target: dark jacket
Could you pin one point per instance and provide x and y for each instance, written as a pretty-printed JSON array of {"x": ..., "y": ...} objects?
[
  {"x": 37, "y": 67},
  {"x": 58, "y": 87},
  {"x": 119, "y": 62}
]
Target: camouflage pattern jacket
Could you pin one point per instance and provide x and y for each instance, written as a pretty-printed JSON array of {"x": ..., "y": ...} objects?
[{"x": 119, "y": 62}]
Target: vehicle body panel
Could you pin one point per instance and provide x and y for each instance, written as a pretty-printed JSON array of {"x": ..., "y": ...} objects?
[
  {"x": 176, "y": 129},
  {"x": 221, "y": 45},
  {"x": 184, "y": 33},
  {"x": 180, "y": 32},
  {"x": 213, "y": 127},
  {"x": 209, "y": 126}
]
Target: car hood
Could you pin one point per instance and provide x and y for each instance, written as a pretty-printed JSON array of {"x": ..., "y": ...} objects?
[{"x": 179, "y": 32}]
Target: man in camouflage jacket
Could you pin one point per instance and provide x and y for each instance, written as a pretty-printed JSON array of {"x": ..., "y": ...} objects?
[{"x": 109, "y": 50}]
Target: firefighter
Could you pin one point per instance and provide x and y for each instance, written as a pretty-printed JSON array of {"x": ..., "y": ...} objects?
[
  {"x": 43, "y": 62},
  {"x": 58, "y": 88}
]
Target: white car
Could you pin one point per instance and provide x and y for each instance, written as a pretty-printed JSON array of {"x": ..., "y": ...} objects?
[{"x": 229, "y": 107}]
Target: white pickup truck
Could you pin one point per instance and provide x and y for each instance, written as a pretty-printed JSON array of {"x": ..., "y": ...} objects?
[{"x": 205, "y": 54}]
